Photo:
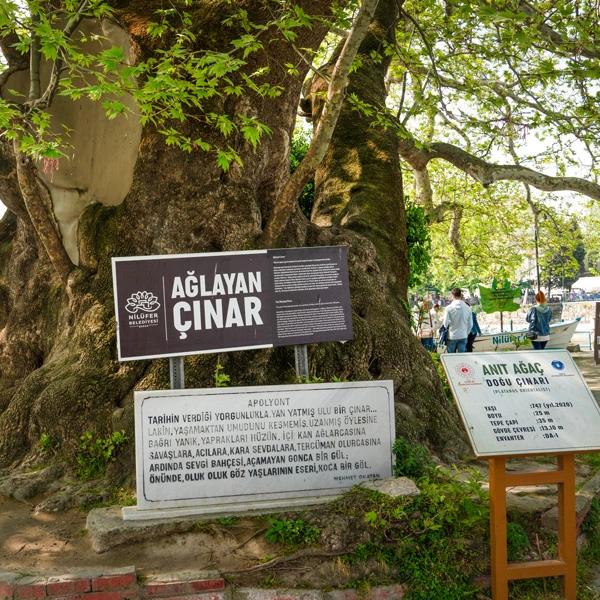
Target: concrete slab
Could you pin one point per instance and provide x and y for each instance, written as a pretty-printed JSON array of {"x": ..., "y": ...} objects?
[
  {"x": 107, "y": 527},
  {"x": 393, "y": 486}
]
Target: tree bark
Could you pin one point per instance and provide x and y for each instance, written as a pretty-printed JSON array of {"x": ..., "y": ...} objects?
[
  {"x": 326, "y": 124},
  {"x": 359, "y": 197},
  {"x": 40, "y": 213}
]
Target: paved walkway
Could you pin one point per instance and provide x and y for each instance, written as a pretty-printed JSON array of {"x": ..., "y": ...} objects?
[{"x": 590, "y": 371}]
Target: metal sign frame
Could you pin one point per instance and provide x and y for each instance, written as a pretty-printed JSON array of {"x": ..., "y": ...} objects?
[
  {"x": 597, "y": 335},
  {"x": 470, "y": 422},
  {"x": 303, "y": 297}
]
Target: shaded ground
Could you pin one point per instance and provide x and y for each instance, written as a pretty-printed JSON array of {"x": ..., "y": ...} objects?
[
  {"x": 48, "y": 543},
  {"x": 590, "y": 371}
]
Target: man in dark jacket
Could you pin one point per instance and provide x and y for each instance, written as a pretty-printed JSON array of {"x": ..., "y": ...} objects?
[{"x": 475, "y": 331}]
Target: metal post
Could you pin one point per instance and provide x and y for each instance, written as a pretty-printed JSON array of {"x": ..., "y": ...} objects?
[
  {"x": 301, "y": 359},
  {"x": 177, "y": 373},
  {"x": 597, "y": 335}
]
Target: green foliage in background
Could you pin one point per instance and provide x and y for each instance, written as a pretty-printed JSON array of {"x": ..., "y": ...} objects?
[
  {"x": 299, "y": 148},
  {"x": 419, "y": 244},
  {"x": 221, "y": 378},
  {"x": 517, "y": 540}
]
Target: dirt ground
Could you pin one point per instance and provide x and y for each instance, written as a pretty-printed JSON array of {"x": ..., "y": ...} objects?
[{"x": 54, "y": 543}]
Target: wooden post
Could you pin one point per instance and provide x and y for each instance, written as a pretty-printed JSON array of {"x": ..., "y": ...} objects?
[
  {"x": 565, "y": 564},
  {"x": 498, "y": 528},
  {"x": 567, "y": 525}
]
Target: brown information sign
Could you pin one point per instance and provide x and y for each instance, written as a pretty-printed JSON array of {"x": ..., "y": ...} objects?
[{"x": 175, "y": 305}]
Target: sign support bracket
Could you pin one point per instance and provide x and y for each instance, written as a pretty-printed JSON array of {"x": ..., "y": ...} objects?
[
  {"x": 301, "y": 360},
  {"x": 596, "y": 347},
  {"x": 177, "y": 372},
  {"x": 565, "y": 564}
]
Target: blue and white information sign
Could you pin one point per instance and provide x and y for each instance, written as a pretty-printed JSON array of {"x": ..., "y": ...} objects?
[{"x": 523, "y": 402}]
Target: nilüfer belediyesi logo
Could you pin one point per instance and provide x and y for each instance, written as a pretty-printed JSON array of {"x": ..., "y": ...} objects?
[
  {"x": 559, "y": 365},
  {"x": 142, "y": 307},
  {"x": 142, "y": 301}
]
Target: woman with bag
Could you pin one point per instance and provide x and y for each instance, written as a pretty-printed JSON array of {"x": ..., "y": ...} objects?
[{"x": 538, "y": 318}]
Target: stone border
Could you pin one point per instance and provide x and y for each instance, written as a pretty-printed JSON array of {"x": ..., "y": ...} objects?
[
  {"x": 124, "y": 584},
  {"x": 583, "y": 500}
]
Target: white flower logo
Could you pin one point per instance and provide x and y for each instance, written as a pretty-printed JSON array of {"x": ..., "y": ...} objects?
[{"x": 142, "y": 301}]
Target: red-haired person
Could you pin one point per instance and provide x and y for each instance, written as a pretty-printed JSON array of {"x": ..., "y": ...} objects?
[{"x": 538, "y": 318}]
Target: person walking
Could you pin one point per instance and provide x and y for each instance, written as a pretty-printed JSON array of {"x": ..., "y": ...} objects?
[
  {"x": 475, "y": 331},
  {"x": 437, "y": 316},
  {"x": 425, "y": 330},
  {"x": 538, "y": 318},
  {"x": 458, "y": 319}
]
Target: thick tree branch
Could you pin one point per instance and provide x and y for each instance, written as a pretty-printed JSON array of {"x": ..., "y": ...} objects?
[
  {"x": 424, "y": 192},
  {"x": 13, "y": 57},
  {"x": 41, "y": 218},
  {"x": 10, "y": 192},
  {"x": 35, "y": 59},
  {"x": 454, "y": 232},
  {"x": 487, "y": 173},
  {"x": 574, "y": 46},
  {"x": 327, "y": 122}
]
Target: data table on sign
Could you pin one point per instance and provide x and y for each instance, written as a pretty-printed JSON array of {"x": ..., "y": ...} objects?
[{"x": 548, "y": 417}]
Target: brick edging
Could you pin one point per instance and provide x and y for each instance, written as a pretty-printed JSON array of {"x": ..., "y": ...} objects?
[
  {"x": 110, "y": 584},
  {"x": 124, "y": 584}
]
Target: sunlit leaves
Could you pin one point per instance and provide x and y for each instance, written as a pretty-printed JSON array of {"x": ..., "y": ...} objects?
[
  {"x": 181, "y": 82},
  {"x": 225, "y": 158},
  {"x": 253, "y": 130}
]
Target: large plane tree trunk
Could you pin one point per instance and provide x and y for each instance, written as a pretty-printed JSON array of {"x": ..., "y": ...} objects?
[
  {"x": 58, "y": 370},
  {"x": 359, "y": 190}
]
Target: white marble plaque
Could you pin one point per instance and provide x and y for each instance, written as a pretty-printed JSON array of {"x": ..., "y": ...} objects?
[
  {"x": 523, "y": 402},
  {"x": 234, "y": 446}
]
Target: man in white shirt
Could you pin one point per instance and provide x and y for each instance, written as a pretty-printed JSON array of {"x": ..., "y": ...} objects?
[{"x": 459, "y": 321}]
